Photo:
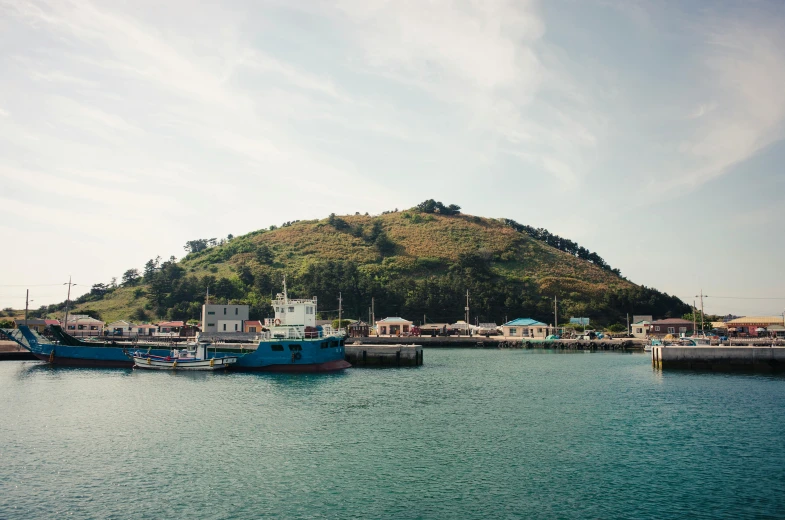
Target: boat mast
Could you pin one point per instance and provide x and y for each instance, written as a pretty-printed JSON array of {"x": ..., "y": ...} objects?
[
  {"x": 340, "y": 301},
  {"x": 285, "y": 296},
  {"x": 67, "y": 301}
]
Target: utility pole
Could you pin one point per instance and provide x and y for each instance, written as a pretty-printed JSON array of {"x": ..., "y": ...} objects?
[
  {"x": 702, "y": 332},
  {"x": 628, "y": 323},
  {"x": 340, "y": 300},
  {"x": 467, "y": 312},
  {"x": 27, "y": 302},
  {"x": 555, "y": 316},
  {"x": 373, "y": 313},
  {"x": 67, "y": 302},
  {"x": 694, "y": 318}
]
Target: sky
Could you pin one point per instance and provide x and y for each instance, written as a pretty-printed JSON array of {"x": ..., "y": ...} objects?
[{"x": 650, "y": 132}]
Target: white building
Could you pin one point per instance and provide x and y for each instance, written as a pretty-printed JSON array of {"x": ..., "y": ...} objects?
[
  {"x": 120, "y": 328},
  {"x": 393, "y": 326},
  {"x": 224, "y": 318},
  {"x": 84, "y": 325},
  {"x": 525, "y": 328},
  {"x": 640, "y": 329}
]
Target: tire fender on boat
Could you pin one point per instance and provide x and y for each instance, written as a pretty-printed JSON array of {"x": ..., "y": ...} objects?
[{"x": 277, "y": 321}]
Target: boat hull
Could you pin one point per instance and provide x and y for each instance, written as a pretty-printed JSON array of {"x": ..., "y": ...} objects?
[
  {"x": 327, "y": 366},
  {"x": 85, "y": 362},
  {"x": 204, "y": 365},
  {"x": 278, "y": 355}
]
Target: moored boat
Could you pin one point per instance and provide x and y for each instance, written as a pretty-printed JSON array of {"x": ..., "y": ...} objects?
[
  {"x": 195, "y": 358},
  {"x": 293, "y": 343}
]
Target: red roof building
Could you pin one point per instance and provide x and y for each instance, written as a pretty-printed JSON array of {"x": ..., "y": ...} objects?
[
  {"x": 252, "y": 326},
  {"x": 670, "y": 326}
]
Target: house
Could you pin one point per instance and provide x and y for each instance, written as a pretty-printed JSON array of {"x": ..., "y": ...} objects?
[
  {"x": 119, "y": 328},
  {"x": 35, "y": 324},
  {"x": 640, "y": 329},
  {"x": 252, "y": 326},
  {"x": 394, "y": 326},
  {"x": 753, "y": 325},
  {"x": 675, "y": 326},
  {"x": 168, "y": 327},
  {"x": 176, "y": 328},
  {"x": 525, "y": 328},
  {"x": 359, "y": 329},
  {"x": 776, "y": 331},
  {"x": 224, "y": 318},
  {"x": 144, "y": 329},
  {"x": 84, "y": 325}
]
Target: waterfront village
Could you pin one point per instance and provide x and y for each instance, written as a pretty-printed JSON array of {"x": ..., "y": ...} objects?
[{"x": 226, "y": 322}]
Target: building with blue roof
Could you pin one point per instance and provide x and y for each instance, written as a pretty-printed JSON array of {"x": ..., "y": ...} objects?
[
  {"x": 394, "y": 326},
  {"x": 525, "y": 328}
]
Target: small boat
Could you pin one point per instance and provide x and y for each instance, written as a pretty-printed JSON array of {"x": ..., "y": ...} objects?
[
  {"x": 193, "y": 358},
  {"x": 654, "y": 342}
]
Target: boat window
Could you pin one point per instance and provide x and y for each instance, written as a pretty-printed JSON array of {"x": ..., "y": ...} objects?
[
  {"x": 295, "y": 347},
  {"x": 277, "y": 348},
  {"x": 324, "y": 344},
  {"x": 291, "y": 309}
]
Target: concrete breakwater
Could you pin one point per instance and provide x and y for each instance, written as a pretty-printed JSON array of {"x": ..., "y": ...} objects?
[
  {"x": 364, "y": 355},
  {"x": 721, "y": 359}
]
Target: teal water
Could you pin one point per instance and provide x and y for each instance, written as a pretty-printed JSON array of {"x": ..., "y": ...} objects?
[{"x": 472, "y": 434}]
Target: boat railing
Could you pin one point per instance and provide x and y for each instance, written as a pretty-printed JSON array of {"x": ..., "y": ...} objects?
[
  {"x": 294, "y": 333},
  {"x": 16, "y": 336}
]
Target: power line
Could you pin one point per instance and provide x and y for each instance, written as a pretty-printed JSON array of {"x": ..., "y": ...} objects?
[{"x": 35, "y": 285}]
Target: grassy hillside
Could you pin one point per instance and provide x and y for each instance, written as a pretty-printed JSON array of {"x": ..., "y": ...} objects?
[{"x": 411, "y": 263}]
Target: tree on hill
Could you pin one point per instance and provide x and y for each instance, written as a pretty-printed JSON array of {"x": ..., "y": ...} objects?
[
  {"x": 131, "y": 277},
  {"x": 200, "y": 244},
  {"x": 432, "y": 206}
]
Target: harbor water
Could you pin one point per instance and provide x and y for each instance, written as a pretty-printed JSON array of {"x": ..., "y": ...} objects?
[{"x": 470, "y": 434}]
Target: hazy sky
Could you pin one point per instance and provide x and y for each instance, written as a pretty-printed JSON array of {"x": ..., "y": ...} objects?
[{"x": 650, "y": 132}]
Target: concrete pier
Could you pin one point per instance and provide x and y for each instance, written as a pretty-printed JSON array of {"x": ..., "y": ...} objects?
[
  {"x": 365, "y": 355},
  {"x": 626, "y": 344},
  {"x": 721, "y": 359}
]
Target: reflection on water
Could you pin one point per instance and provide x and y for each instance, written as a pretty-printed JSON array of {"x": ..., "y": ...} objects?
[{"x": 471, "y": 434}]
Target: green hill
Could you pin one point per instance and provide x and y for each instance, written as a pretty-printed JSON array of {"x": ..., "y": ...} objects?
[{"x": 413, "y": 263}]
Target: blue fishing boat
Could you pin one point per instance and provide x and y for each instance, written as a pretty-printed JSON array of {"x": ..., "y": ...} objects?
[{"x": 292, "y": 343}]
